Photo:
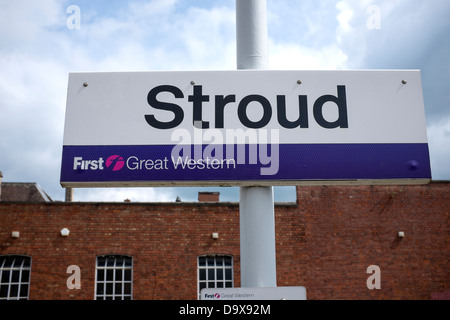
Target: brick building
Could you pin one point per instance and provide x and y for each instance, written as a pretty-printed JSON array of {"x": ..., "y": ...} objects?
[{"x": 325, "y": 241}]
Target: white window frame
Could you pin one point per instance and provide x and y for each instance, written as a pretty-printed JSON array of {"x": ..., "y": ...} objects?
[
  {"x": 208, "y": 274},
  {"x": 8, "y": 281},
  {"x": 115, "y": 269}
]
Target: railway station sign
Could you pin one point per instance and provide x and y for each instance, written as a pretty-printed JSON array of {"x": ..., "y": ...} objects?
[
  {"x": 244, "y": 128},
  {"x": 278, "y": 293}
]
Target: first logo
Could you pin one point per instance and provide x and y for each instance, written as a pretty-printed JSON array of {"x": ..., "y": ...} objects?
[{"x": 116, "y": 162}]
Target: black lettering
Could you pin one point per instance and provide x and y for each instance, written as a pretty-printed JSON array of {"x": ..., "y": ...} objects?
[
  {"x": 302, "y": 120},
  {"x": 197, "y": 100},
  {"x": 155, "y": 103},
  {"x": 242, "y": 111},
  {"x": 221, "y": 102},
  {"x": 341, "y": 102}
]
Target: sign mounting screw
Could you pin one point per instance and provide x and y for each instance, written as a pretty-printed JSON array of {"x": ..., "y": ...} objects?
[
  {"x": 85, "y": 84},
  {"x": 299, "y": 81},
  {"x": 404, "y": 81},
  {"x": 192, "y": 82}
]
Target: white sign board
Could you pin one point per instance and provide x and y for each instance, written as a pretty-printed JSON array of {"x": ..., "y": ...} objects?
[
  {"x": 278, "y": 293},
  {"x": 244, "y": 127}
]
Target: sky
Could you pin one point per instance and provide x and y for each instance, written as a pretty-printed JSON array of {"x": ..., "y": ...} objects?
[{"x": 42, "y": 41}]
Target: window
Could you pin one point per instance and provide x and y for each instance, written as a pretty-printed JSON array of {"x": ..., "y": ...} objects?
[
  {"x": 114, "y": 278},
  {"x": 14, "y": 277},
  {"x": 215, "y": 271}
]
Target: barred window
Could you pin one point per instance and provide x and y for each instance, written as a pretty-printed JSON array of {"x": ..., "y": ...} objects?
[
  {"x": 114, "y": 277},
  {"x": 14, "y": 277},
  {"x": 215, "y": 271}
]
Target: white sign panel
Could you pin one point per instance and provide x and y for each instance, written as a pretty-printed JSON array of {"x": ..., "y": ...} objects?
[
  {"x": 279, "y": 293},
  {"x": 244, "y": 127}
]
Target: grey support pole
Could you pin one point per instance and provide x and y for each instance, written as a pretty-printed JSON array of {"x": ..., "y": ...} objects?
[
  {"x": 256, "y": 204},
  {"x": 251, "y": 34}
]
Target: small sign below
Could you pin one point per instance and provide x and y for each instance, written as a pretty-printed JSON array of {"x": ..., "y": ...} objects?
[{"x": 278, "y": 293}]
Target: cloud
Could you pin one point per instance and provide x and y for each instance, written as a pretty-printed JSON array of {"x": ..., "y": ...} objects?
[
  {"x": 345, "y": 16},
  {"x": 186, "y": 194},
  {"x": 23, "y": 22},
  {"x": 122, "y": 194},
  {"x": 405, "y": 27},
  {"x": 294, "y": 57},
  {"x": 32, "y": 98}
]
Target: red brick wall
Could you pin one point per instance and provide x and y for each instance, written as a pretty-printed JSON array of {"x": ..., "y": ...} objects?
[
  {"x": 336, "y": 233},
  {"x": 325, "y": 242},
  {"x": 164, "y": 241}
]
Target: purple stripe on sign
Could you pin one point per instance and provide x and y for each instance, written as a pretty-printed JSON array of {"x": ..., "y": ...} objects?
[{"x": 285, "y": 162}]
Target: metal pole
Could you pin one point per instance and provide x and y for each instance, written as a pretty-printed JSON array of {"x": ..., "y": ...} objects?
[
  {"x": 251, "y": 34},
  {"x": 256, "y": 204}
]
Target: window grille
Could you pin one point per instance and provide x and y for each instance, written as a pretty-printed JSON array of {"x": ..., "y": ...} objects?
[
  {"x": 114, "y": 278},
  {"x": 215, "y": 271},
  {"x": 14, "y": 277}
]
